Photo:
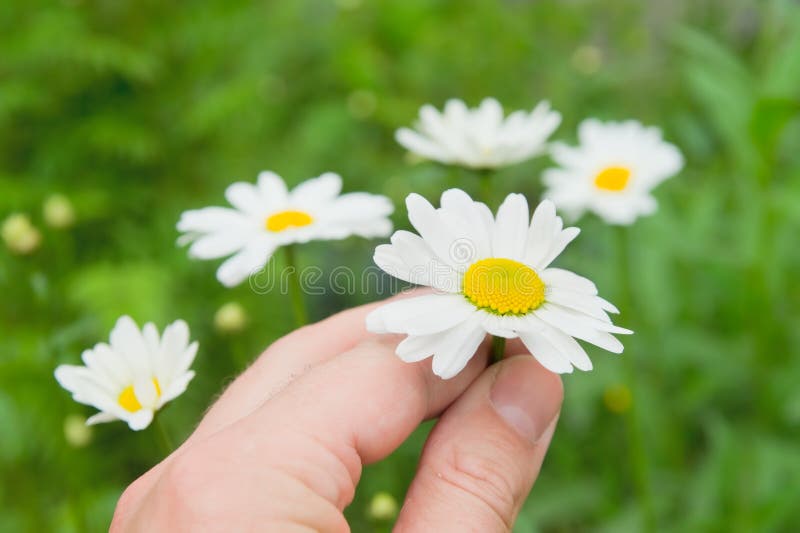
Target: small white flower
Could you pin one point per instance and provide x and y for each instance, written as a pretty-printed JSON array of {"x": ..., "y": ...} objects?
[
  {"x": 266, "y": 216},
  {"x": 491, "y": 275},
  {"x": 134, "y": 375},
  {"x": 20, "y": 235},
  {"x": 480, "y": 138},
  {"x": 612, "y": 171}
]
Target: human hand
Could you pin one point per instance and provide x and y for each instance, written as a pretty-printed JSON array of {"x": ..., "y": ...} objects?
[{"x": 283, "y": 447}]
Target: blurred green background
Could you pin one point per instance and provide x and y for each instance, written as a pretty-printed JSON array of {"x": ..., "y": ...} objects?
[{"x": 135, "y": 111}]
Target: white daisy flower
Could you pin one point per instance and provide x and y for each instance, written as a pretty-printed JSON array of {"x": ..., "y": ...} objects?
[
  {"x": 266, "y": 216},
  {"x": 612, "y": 171},
  {"x": 490, "y": 275},
  {"x": 134, "y": 375},
  {"x": 480, "y": 138}
]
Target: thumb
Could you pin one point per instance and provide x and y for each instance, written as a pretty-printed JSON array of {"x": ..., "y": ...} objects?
[{"x": 483, "y": 456}]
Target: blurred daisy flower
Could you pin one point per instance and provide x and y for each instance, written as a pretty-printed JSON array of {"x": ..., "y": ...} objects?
[
  {"x": 20, "y": 235},
  {"x": 480, "y": 138},
  {"x": 134, "y": 375},
  {"x": 490, "y": 275},
  {"x": 612, "y": 171},
  {"x": 266, "y": 216}
]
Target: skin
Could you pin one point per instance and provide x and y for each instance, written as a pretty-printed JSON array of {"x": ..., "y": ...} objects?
[{"x": 283, "y": 448}]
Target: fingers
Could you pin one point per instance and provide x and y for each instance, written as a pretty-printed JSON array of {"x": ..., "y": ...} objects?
[
  {"x": 483, "y": 456},
  {"x": 353, "y": 409},
  {"x": 288, "y": 358}
]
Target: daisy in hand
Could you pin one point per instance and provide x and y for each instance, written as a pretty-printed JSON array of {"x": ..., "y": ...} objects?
[
  {"x": 134, "y": 375},
  {"x": 490, "y": 275},
  {"x": 479, "y": 138},
  {"x": 612, "y": 171},
  {"x": 266, "y": 216}
]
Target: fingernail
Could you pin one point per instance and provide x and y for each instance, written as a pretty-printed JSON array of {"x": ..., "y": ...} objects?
[{"x": 527, "y": 397}]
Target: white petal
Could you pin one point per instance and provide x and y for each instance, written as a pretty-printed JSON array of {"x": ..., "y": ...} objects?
[
  {"x": 428, "y": 223},
  {"x": 581, "y": 302},
  {"x": 422, "y": 266},
  {"x": 544, "y": 352},
  {"x": 417, "y": 347},
  {"x": 564, "y": 279},
  {"x": 105, "y": 363},
  {"x": 459, "y": 210},
  {"x": 420, "y": 145},
  {"x": 457, "y": 347},
  {"x": 146, "y": 392},
  {"x": 185, "y": 360},
  {"x": 211, "y": 219},
  {"x": 544, "y": 224},
  {"x": 359, "y": 211},
  {"x": 420, "y": 315},
  {"x": 568, "y": 347},
  {"x": 100, "y": 418},
  {"x": 140, "y": 419},
  {"x": 557, "y": 246},
  {"x": 564, "y": 314},
  {"x": 580, "y": 330},
  {"x": 317, "y": 191},
  {"x": 176, "y": 388},
  {"x": 272, "y": 190},
  {"x": 511, "y": 228},
  {"x": 86, "y": 388},
  {"x": 127, "y": 340},
  {"x": 245, "y": 197},
  {"x": 218, "y": 244},
  {"x": 240, "y": 266},
  {"x": 502, "y": 326}
]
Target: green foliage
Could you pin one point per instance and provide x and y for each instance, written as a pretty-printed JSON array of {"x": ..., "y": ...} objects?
[{"x": 137, "y": 111}]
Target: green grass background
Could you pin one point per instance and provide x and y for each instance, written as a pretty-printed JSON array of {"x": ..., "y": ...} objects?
[{"x": 139, "y": 110}]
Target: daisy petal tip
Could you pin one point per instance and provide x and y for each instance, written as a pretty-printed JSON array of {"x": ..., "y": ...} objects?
[
  {"x": 140, "y": 420},
  {"x": 374, "y": 322}
]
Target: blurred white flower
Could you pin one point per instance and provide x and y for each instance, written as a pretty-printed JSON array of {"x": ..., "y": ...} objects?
[
  {"x": 134, "y": 375},
  {"x": 383, "y": 506},
  {"x": 21, "y": 237},
  {"x": 587, "y": 59},
  {"x": 491, "y": 275},
  {"x": 266, "y": 216},
  {"x": 612, "y": 171},
  {"x": 480, "y": 138},
  {"x": 230, "y": 318},
  {"x": 58, "y": 211},
  {"x": 76, "y": 432},
  {"x": 362, "y": 103}
]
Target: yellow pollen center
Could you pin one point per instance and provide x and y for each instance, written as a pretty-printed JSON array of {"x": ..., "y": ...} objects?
[
  {"x": 127, "y": 398},
  {"x": 288, "y": 219},
  {"x": 503, "y": 286},
  {"x": 613, "y": 178}
]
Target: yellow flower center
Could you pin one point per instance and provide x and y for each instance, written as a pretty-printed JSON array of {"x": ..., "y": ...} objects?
[
  {"x": 503, "y": 286},
  {"x": 127, "y": 398},
  {"x": 613, "y": 178},
  {"x": 288, "y": 219}
]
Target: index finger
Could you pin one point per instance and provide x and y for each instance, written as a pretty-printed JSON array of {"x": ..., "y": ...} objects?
[{"x": 286, "y": 359}]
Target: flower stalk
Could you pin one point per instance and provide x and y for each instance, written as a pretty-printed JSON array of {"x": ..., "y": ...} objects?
[
  {"x": 295, "y": 288},
  {"x": 498, "y": 349},
  {"x": 638, "y": 451},
  {"x": 164, "y": 440}
]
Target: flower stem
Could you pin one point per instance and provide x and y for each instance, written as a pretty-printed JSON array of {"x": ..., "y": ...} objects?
[
  {"x": 295, "y": 289},
  {"x": 498, "y": 349},
  {"x": 485, "y": 177},
  {"x": 637, "y": 449},
  {"x": 164, "y": 440}
]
